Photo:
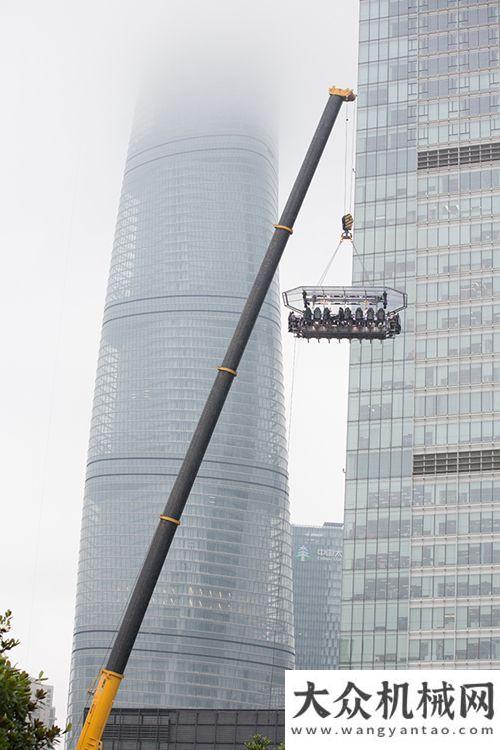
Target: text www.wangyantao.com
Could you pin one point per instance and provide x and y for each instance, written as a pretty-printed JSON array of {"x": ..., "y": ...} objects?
[{"x": 389, "y": 732}]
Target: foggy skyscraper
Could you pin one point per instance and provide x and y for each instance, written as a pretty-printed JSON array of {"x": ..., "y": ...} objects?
[{"x": 198, "y": 204}]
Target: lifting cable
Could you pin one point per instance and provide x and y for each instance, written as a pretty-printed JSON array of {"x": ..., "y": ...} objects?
[
  {"x": 364, "y": 275},
  {"x": 352, "y": 171},
  {"x": 349, "y": 170},
  {"x": 349, "y": 173},
  {"x": 346, "y": 151},
  {"x": 328, "y": 265},
  {"x": 349, "y": 194}
]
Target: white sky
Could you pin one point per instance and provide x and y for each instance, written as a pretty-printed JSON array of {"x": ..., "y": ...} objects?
[{"x": 68, "y": 74}]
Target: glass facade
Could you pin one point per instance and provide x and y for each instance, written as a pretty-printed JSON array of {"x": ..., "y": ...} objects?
[
  {"x": 196, "y": 213},
  {"x": 317, "y": 571},
  {"x": 185, "y": 729},
  {"x": 421, "y": 579}
]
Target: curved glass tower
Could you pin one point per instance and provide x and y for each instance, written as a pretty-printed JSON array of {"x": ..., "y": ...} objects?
[{"x": 198, "y": 203}]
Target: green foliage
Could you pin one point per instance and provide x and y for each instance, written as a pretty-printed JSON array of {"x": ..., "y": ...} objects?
[
  {"x": 259, "y": 742},
  {"x": 19, "y": 729}
]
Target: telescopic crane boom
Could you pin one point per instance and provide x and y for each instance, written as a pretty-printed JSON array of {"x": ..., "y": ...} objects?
[{"x": 110, "y": 677}]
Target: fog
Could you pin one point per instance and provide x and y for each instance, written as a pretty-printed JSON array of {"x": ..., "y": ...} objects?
[{"x": 70, "y": 77}]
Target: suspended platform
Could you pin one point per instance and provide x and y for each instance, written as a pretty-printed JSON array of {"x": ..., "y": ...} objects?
[{"x": 334, "y": 312}]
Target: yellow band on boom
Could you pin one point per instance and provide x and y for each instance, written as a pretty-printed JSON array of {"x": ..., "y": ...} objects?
[
  {"x": 228, "y": 369},
  {"x": 282, "y": 226},
  {"x": 102, "y": 702},
  {"x": 172, "y": 520}
]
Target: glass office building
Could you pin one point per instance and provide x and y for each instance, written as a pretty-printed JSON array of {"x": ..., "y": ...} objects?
[
  {"x": 196, "y": 213},
  {"x": 317, "y": 572},
  {"x": 422, "y": 524}
]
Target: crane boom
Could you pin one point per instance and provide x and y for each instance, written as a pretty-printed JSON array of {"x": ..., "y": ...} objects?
[{"x": 110, "y": 677}]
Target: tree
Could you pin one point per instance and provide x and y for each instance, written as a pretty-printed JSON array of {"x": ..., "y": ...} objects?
[
  {"x": 259, "y": 742},
  {"x": 19, "y": 728}
]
